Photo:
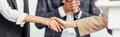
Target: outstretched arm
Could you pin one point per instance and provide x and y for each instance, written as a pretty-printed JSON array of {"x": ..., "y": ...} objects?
[{"x": 86, "y": 25}]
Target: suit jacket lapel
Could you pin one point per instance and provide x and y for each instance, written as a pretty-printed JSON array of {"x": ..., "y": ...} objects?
[{"x": 49, "y": 5}]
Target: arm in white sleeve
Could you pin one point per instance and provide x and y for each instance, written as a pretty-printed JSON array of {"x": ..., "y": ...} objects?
[{"x": 11, "y": 14}]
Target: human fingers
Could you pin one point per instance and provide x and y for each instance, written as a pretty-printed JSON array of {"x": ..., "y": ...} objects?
[
  {"x": 57, "y": 26},
  {"x": 73, "y": 4},
  {"x": 60, "y": 21},
  {"x": 61, "y": 26},
  {"x": 53, "y": 26},
  {"x": 75, "y": 9}
]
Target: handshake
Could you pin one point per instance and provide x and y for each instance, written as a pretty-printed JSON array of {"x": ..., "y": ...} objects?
[{"x": 58, "y": 24}]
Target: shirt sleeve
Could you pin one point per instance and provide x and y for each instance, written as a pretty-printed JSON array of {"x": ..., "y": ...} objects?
[
  {"x": 11, "y": 14},
  {"x": 79, "y": 14},
  {"x": 61, "y": 11}
]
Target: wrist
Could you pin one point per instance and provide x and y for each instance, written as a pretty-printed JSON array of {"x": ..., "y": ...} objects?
[
  {"x": 72, "y": 24},
  {"x": 46, "y": 21},
  {"x": 77, "y": 12}
]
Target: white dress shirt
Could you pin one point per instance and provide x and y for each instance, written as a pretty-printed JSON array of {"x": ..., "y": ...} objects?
[
  {"x": 63, "y": 14},
  {"x": 12, "y": 14},
  {"x": 69, "y": 32}
]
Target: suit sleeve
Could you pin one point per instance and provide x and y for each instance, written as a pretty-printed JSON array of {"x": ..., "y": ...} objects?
[
  {"x": 93, "y": 10},
  {"x": 91, "y": 24},
  {"x": 88, "y": 9}
]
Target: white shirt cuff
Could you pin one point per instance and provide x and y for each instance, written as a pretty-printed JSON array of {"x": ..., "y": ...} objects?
[
  {"x": 80, "y": 14},
  {"x": 20, "y": 20},
  {"x": 61, "y": 11}
]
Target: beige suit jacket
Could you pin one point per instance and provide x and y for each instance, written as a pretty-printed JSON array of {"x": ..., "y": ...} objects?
[{"x": 91, "y": 24}]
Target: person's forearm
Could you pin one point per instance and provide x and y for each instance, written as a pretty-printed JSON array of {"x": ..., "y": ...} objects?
[
  {"x": 36, "y": 19},
  {"x": 91, "y": 24},
  {"x": 71, "y": 24}
]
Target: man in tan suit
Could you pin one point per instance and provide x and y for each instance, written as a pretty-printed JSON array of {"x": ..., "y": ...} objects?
[{"x": 86, "y": 25}]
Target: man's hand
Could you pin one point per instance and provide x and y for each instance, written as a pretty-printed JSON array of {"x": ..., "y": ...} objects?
[
  {"x": 52, "y": 24},
  {"x": 58, "y": 24},
  {"x": 71, "y": 5},
  {"x": 55, "y": 26}
]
